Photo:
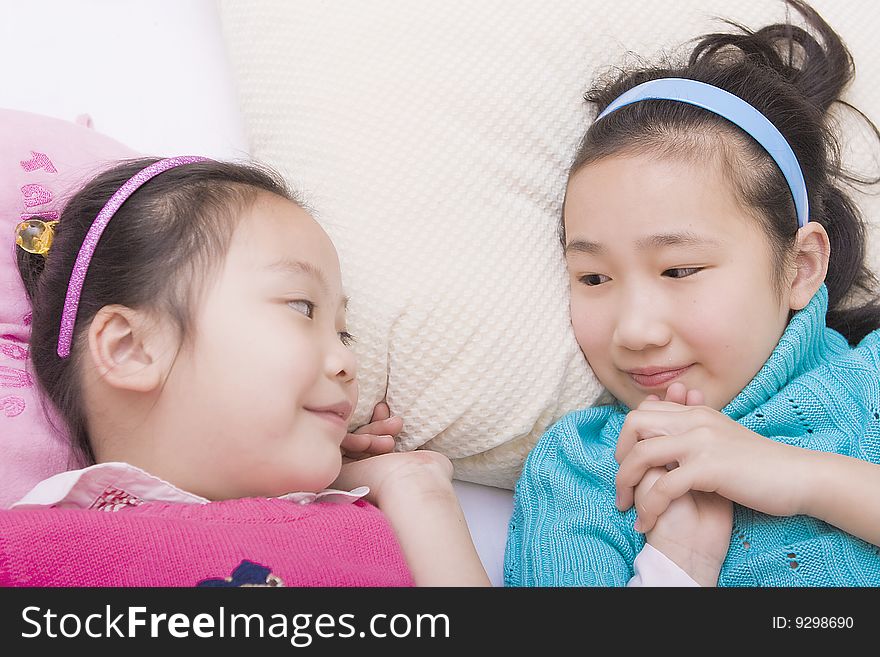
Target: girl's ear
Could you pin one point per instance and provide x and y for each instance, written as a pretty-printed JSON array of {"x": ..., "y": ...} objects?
[
  {"x": 127, "y": 349},
  {"x": 812, "y": 251}
]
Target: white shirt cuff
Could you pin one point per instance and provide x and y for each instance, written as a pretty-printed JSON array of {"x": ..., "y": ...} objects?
[{"x": 653, "y": 568}]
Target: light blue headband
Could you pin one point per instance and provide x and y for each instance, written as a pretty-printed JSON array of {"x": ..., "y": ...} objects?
[{"x": 737, "y": 111}]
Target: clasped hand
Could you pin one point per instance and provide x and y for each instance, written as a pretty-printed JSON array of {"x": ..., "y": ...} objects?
[{"x": 683, "y": 464}]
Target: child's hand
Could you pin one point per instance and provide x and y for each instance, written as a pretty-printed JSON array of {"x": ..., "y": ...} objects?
[
  {"x": 377, "y": 437},
  {"x": 713, "y": 454},
  {"x": 399, "y": 473},
  {"x": 693, "y": 530},
  {"x": 414, "y": 490}
]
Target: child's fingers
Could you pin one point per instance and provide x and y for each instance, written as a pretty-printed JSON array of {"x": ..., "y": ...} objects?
[
  {"x": 680, "y": 394},
  {"x": 642, "y": 488},
  {"x": 381, "y": 412},
  {"x": 389, "y": 426},
  {"x": 635, "y": 428},
  {"x": 355, "y": 443},
  {"x": 360, "y": 445},
  {"x": 380, "y": 445},
  {"x": 393, "y": 426},
  {"x": 367, "y": 443},
  {"x": 655, "y": 501},
  {"x": 659, "y": 451},
  {"x": 676, "y": 393},
  {"x": 652, "y": 418}
]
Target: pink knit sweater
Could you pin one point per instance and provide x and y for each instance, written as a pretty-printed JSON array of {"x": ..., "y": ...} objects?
[{"x": 267, "y": 542}]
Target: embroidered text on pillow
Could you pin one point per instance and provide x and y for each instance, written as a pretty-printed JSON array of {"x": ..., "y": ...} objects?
[
  {"x": 12, "y": 405},
  {"x": 14, "y": 378},
  {"x": 14, "y": 351},
  {"x": 39, "y": 161},
  {"x": 34, "y": 194}
]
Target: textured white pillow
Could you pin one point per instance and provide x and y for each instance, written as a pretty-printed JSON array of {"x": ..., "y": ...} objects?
[{"x": 433, "y": 140}]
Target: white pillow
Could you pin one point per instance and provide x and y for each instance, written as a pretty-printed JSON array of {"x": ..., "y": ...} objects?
[{"x": 433, "y": 139}]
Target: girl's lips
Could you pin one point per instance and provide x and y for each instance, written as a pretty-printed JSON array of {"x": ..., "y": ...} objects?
[
  {"x": 656, "y": 379},
  {"x": 330, "y": 416},
  {"x": 335, "y": 413}
]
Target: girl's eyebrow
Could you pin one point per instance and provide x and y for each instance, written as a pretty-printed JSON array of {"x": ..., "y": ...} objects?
[
  {"x": 286, "y": 266},
  {"x": 684, "y": 238},
  {"x": 585, "y": 247}
]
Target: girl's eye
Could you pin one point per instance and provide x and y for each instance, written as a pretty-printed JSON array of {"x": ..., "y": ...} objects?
[
  {"x": 346, "y": 338},
  {"x": 681, "y": 272},
  {"x": 307, "y": 308},
  {"x": 593, "y": 279}
]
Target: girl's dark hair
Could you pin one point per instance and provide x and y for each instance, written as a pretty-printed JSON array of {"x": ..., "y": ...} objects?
[
  {"x": 793, "y": 77},
  {"x": 157, "y": 253}
]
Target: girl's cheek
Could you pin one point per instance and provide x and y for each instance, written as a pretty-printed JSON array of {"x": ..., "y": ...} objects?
[
  {"x": 589, "y": 336},
  {"x": 577, "y": 324}
]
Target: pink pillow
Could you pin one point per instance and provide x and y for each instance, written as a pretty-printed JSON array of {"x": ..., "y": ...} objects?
[{"x": 43, "y": 161}]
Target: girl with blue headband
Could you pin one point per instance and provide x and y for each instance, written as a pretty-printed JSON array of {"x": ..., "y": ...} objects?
[{"x": 720, "y": 294}]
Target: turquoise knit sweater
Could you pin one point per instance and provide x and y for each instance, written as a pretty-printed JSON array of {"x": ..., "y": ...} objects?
[{"x": 814, "y": 392}]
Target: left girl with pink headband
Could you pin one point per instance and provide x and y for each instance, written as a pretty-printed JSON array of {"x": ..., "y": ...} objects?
[{"x": 189, "y": 325}]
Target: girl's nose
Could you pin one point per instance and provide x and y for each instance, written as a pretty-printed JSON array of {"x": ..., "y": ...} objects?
[
  {"x": 340, "y": 361},
  {"x": 642, "y": 323}
]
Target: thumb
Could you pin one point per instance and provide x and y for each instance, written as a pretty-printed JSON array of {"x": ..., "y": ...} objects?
[{"x": 381, "y": 412}]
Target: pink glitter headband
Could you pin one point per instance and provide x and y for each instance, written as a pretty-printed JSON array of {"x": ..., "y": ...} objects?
[{"x": 78, "y": 275}]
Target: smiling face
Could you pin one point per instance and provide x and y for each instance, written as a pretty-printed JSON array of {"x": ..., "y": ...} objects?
[
  {"x": 260, "y": 397},
  {"x": 670, "y": 279}
]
